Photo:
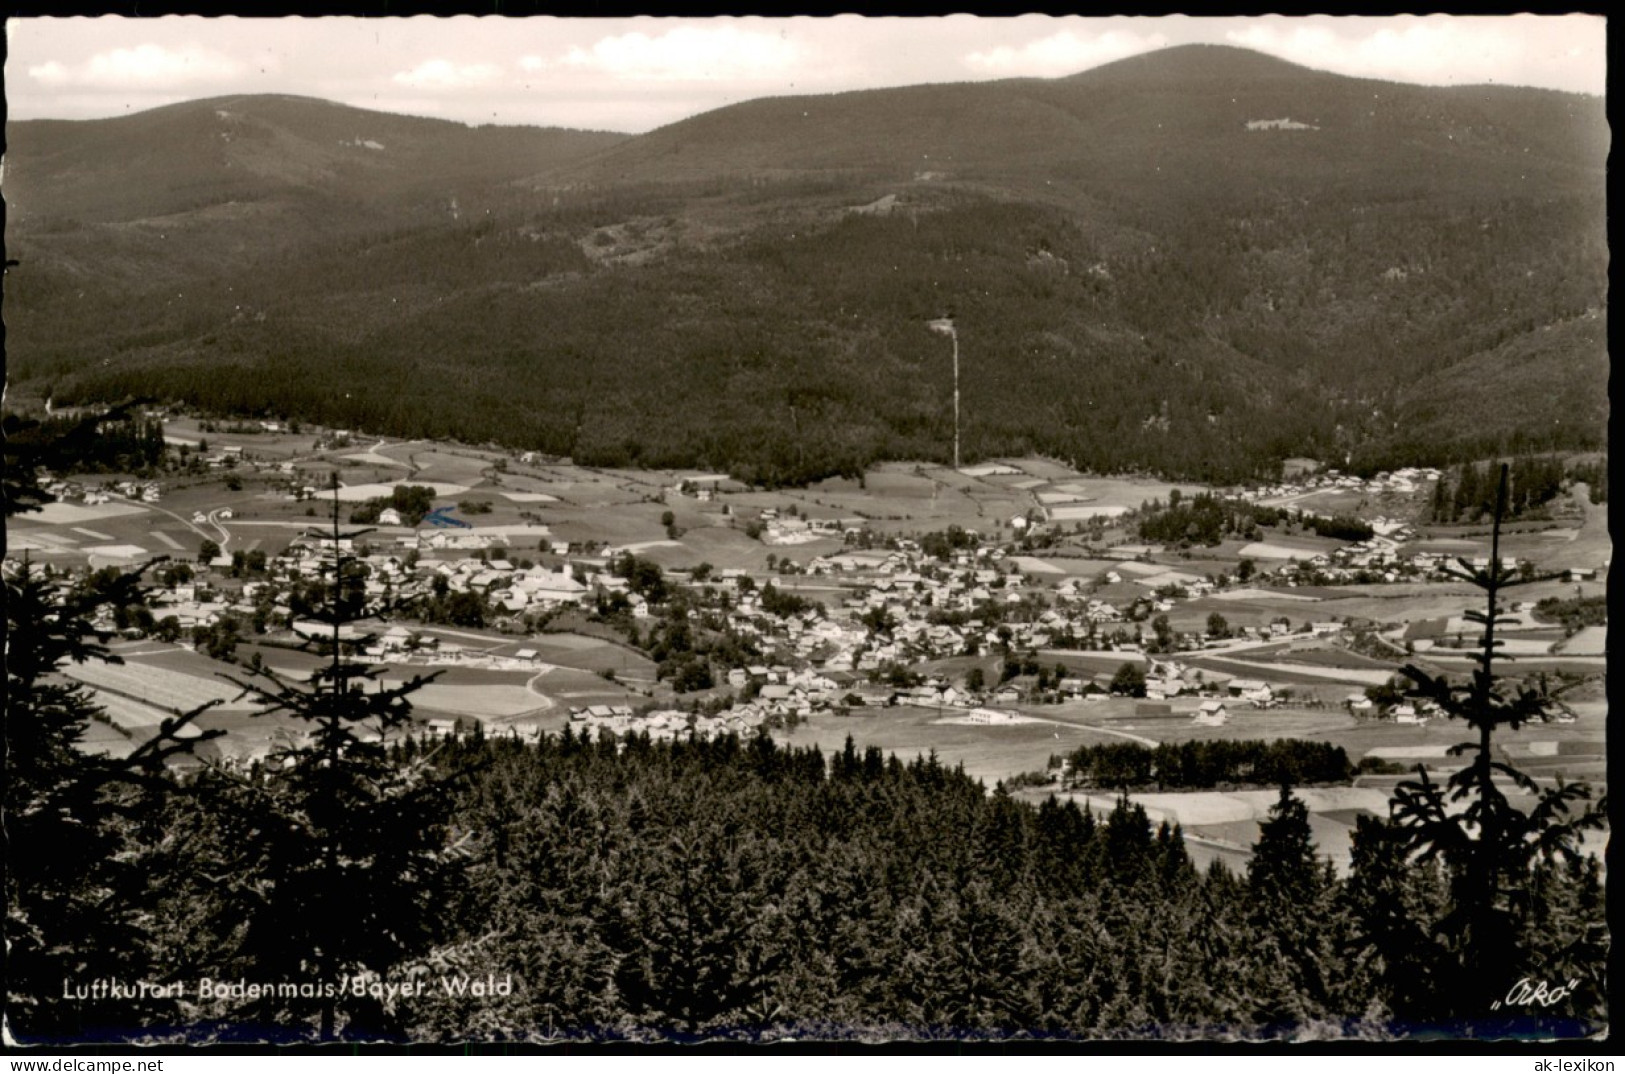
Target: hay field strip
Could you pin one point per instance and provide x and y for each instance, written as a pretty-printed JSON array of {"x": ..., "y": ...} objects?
[
  {"x": 1279, "y": 549},
  {"x": 372, "y": 458},
  {"x": 72, "y": 514},
  {"x": 1079, "y": 566},
  {"x": 1266, "y": 724},
  {"x": 39, "y": 541},
  {"x": 127, "y": 713},
  {"x": 1034, "y": 565},
  {"x": 1305, "y": 674},
  {"x": 1084, "y": 512},
  {"x": 1263, "y": 594},
  {"x": 159, "y": 686},
  {"x": 1335, "y": 658}
]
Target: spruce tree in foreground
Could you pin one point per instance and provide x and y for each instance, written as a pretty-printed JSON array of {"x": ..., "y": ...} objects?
[
  {"x": 1293, "y": 921},
  {"x": 334, "y": 855},
  {"x": 1506, "y": 867},
  {"x": 78, "y": 861},
  {"x": 77, "y": 868}
]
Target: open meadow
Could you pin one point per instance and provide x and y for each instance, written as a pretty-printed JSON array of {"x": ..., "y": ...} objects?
[
  {"x": 1283, "y": 673},
  {"x": 428, "y": 463},
  {"x": 134, "y": 718},
  {"x": 989, "y": 752},
  {"x": 105, "y": 739},
  {"x": 1281, "y": 547},
  {"x": 1244, "y": 723},
  {"x": 486, "y": 702},
  {"x": 571, "y": 688},
  {"x": 163, "y": 688}
]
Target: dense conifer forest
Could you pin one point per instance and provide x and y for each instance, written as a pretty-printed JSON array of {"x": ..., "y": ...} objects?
[
  {"x": 736, "y": 888},
  {"x": 1202, "y": 764},
  {"x": 766, "y": 357}
]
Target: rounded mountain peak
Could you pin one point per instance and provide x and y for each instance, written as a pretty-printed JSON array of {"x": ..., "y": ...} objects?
[{"x": 1196, "y": 65}]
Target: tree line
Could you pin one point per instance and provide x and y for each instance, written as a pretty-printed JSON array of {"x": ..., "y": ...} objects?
[
  {"x": 1203, "y": 764},
  {"x": 1468, "y": 494},
  {"x": 1208, "y": 519},
  {"x": 131, "y": 444}
]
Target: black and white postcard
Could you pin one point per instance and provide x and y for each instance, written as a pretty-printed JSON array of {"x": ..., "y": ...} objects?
[{"x": 533, "y": 530}]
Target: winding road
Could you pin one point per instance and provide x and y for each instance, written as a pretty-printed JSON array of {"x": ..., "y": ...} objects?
[{"x": 188, "y": 523}]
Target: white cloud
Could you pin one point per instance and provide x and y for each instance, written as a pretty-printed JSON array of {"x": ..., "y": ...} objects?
[
  {"x": 443, "y": 74},
  {"x": 1062, "y": 53},
  {"x": 690, "y": 53},
  {"x": 532, "y": 63},
  {"x": 52, "y": 74},
  {"x": 142, "y": 66},
  {"x": 1297, "y": 43}
]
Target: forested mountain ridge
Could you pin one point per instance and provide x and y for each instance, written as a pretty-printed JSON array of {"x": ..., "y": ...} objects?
[
  {"x": 1123, "y": 122},
  {"x": 171, "y": 194},
  {"x": 1196, "y": 261},
  {"x": 233, "y": 150}
]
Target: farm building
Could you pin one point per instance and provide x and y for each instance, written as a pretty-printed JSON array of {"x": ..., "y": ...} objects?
[{"x": 1251, "y": 689}]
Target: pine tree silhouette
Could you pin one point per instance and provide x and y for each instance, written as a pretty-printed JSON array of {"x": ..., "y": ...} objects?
[
  {"x": 75, "y": 865},
  {"x": 1489, "y": 846},
  {"x": 340, "y": 851},
  {"x": 1289, "y": 887}
]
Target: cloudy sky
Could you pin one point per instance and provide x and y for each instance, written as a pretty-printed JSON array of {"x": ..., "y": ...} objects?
[{"x": 637, "y": 74}]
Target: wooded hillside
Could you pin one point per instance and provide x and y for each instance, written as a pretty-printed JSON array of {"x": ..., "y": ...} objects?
[{"x": 1142, "y": 276}]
